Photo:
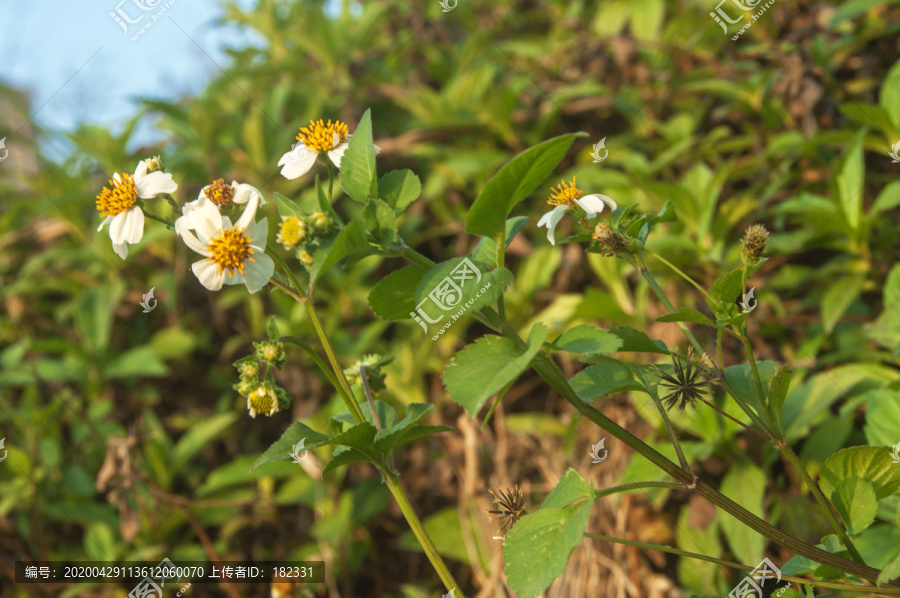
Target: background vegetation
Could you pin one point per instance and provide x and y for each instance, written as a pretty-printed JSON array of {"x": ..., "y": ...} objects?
[{"x": 126, "y": 440}]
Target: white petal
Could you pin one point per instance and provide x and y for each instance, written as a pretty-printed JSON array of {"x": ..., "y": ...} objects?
[
  {"x": 257, "y": 273},
  {"x": 235, "y": 277},
  {"x": 207, "y": 221},
  {"x": 121, "y": 249},
  {"x": 337, "y": 154},
  {"x": 140, "y": 170},
  {"x": 134, "y": 225},
  {"x": 259, "y": 233},
  {"x": 551, "y": 219},
  {"x": 191, "y": 241},
  {"x": 117, "y": 226},
  {"x": 249, "y": 213},
  {"x": 594, "y": 204},
  {"x": 154, "y": 184},
  {"x": 207, "y": 272},
  {"x": 106, "y": 221},
  {"x": 243, "y": 192},
  {"x": 297, "y": 162}
]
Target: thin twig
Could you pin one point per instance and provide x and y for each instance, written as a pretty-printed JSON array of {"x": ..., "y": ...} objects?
[{"x": 365, "y": 381}]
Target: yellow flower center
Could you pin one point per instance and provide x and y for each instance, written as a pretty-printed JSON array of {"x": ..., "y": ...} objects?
[
  {"x": 263, "y": 401},
  {"x": 565, "y": 194},
  {"x": 230, "y": 249},
  {"x": 293, "y": 231},
  {"x": 319, "y": 136},
  {"x": 118, "y": 199},
  {"x": 219, "y": 193}
]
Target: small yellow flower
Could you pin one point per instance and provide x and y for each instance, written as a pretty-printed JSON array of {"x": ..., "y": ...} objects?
[
  {"x": 567, "y": 196},
  {"x": 292, "y": 232},
  {"x": 263, "y": 400},
  {"x": 305, "y": 258}
]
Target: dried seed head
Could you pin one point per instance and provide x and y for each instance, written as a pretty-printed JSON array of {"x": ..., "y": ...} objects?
[
  {"x": 611, "y": 243},
  {"x": 511, "y": 506},
  {"x": 754, "y": 243},
  {"x": 688, "y": 383}
]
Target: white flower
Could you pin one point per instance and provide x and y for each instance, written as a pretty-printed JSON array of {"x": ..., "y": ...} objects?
[
  {"x": 564, "y": 198},
  {"x": 331, "y": 138},
  {"x": 119, "y": 208},
  {"x": 223, "y": 196},
  {"x": 238, "y": 249}
]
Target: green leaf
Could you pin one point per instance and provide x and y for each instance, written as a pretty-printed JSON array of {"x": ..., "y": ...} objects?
[
  {"x": 414, "y": 412},
  {"x": 588, "y": 339},
  {"x": 838, "y": 298},
  {"x": 490, "y": 284},
  {"x": 854, "y": 499},
  {"x": 380, "y": 220},
  {"x": 272, "y": 330},
  {"x": 359, "y": 437},
  {"x": 882, "y": 417},
  {"x": 281, "y": 448},
  {"x": 359, "y": 178},
  {"x": 666, "y": 214},
  {"x": 741, "y": 378},
  {"x": 723, "y": 295},
  {"x": 409, "y": 434},
  {"x": 537, "y": 549},
  {"x": 603, "y": 379},
  {"x": 349, "y": 241},
  {"x": 746, "y": 485},
  {"x": 486, "y": 250},
  {"x": 868, "y": 462},
  {"x": 399, "y": 188},
  {"x": 889, "y": 571},
  {"x": 344, "y": 457},
  {"x": 636, "y": 341},
  {"x": 286, "y": 207},
  {"x": 487, "y": 365},
  {"x": 889, "y": 97},
  {"x": 888, "y": 199},
  {"x": 140, "y": 361},
  {"x": 647, "y": 20},
  {"x": 386, "y": 415},
  {"x": 849, "y": 181},
  {"x": 199, "y": 436},
  {"x": 445, "y": 530},
  {"x": 513, "y": 183},
  {"x": 686, "y": 314},
  {"x": 394, "y": 296},
  {"x": 778, "y": 389}
]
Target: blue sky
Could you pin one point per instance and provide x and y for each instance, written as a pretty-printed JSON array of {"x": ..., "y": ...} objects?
[{"x": 80, "y": 66}]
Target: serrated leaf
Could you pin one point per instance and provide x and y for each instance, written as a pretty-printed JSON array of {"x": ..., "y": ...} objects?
[
  {"x": 386, "y": 415},
  {"x": 603, "y": 379},
  {"x": 281, "y": 448},
  {"x": 723, "y": 294},
  {"x": 350, "y": 241},
  {"x": 345, "y": 457},
  {"x": 399, "y": 188},
  {"x": 359, "y": 436},
  {"x": 868, "y": 462},
  {"x": 538, "y": 547},
  {"x": 394, "y": 296},
  {"x": 854, "y": 499},
  {"x": 462, "y": 298},
  {"x": 637, "y": 341},
  {"x": 414, "y": 412},
  {"x": 486, "y": 250},
  {"x": 359, "y": 178},
  {"x": 686, "y": 314},
  {"x": 286, "y": 207},
  {"x": 889, "y": 572},
  {"x": 486, "y": 366},
  {"x": 410, "y": 434},
  {"x": 744, "y": 383},
  {"x": 778, "y": 389},
  {"x": 666, "y": 214},
  {"x": 513, "y": 183},
  {"x": 588, "y": 339},
  {"x": 380, "y": 220}
]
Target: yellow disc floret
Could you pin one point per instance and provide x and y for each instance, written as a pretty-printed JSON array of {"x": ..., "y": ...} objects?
[
  {"x": 292, "y": 233},
  {"x": 118, "y": 199},
  {"x": 230, "y": 249},
  {"x": 219, "y": 193},
  {"x": 319, "y": 136},
  {"x": 566, "y": 193}
]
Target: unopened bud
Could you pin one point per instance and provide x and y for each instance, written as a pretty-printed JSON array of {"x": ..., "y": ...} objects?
[
  {"x": 320, "y": 221},
  {"x": 754, "y": 243}
]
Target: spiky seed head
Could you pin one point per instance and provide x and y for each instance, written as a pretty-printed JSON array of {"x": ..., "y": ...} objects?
[{"x": 754, "y": 243}]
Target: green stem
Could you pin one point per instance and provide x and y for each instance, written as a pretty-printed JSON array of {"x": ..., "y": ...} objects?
[
  {"x": 654, "y": 394},
  {"x": 393, "y": 484},
  {"x": 677, "y": 271},
  {"x": 288, "y": 272},
  {"x": 165, "y": 221},
  {"x": 315, "y": 357},
  {"x": 637, "y": 486},
  {"x": 741, "y": 566}
]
